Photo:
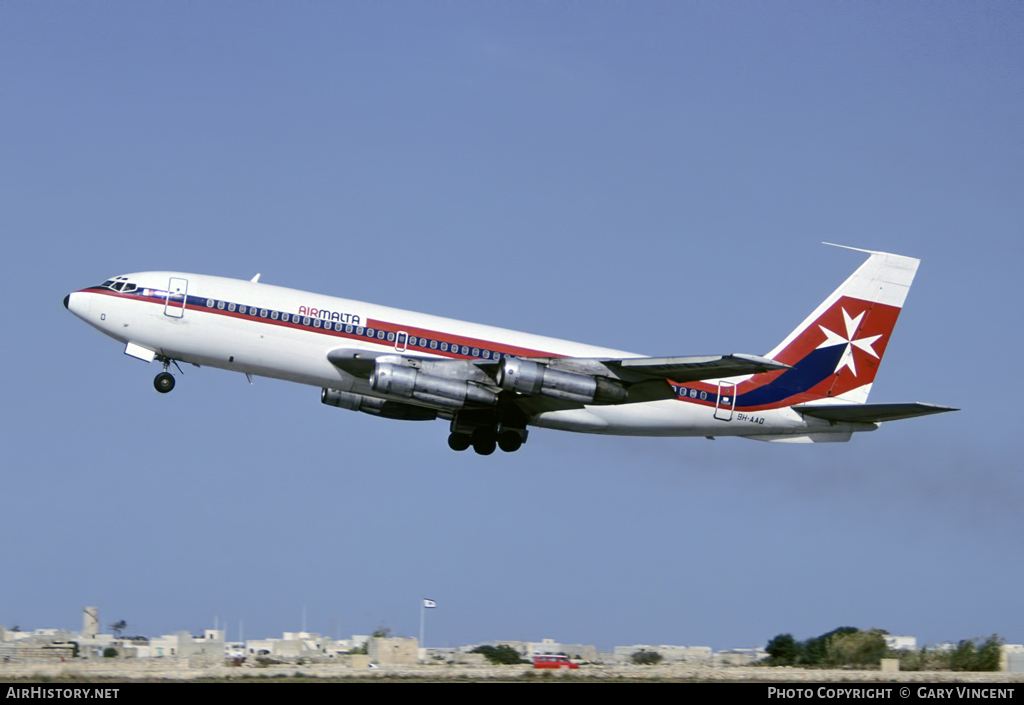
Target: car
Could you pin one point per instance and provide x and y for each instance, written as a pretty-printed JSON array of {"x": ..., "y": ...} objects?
[{"x": 554, "y": 661}]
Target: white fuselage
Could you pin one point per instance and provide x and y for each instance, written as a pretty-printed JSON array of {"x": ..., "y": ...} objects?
[{"x": 208, "y": 332}]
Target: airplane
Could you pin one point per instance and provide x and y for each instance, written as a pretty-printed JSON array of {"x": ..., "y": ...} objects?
[{"x": 491, "y": 383}]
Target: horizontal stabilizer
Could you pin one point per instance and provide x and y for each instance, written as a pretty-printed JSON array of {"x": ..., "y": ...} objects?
[
  {"x": 870, "y": 413},
  {"x": 692, "y": 369}
]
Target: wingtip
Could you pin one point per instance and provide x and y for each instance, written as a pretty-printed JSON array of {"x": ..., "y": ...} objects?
[{"x": 855, "y": 249}]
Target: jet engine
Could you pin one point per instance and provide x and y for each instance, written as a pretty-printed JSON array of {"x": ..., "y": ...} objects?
[
  {"x": 377, "y": 407},
  {"x": 401, "y": 381},
  {"x": 530, "y": 377}
]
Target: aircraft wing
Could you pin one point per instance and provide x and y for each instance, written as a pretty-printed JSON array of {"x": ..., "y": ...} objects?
[
  {"x": 637, "y": 379},
  {"x": 647, "y": 378},
  {"x": 870, "y": 413},
  {"x": 692, "y": 369}
]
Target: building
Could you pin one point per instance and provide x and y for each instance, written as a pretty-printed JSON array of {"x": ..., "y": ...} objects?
[{"x": 393, "y": 651}]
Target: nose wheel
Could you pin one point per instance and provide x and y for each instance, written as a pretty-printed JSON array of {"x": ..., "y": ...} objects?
[{"x": 163, "y": 382}]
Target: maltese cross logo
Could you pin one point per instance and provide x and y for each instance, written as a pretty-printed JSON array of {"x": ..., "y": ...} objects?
[{"x": 832, "y": 338}]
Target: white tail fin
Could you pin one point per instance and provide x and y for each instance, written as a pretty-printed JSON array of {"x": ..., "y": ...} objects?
[{"x": 836, "y": 351}]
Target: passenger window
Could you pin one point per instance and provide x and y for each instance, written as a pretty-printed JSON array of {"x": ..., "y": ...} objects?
[
  {"x": 337, "y": 327},
  {"x": 433, "y": 345},
  {"x": 241, "y": 309},
  {"x": 465, "y": 350},
  {"x": 305, "y": 320},
  {"x": 231, "y": 307},
  {"x": 380, "y": 335},
  {"x": 220, "y": 305},
  {"x": 316, "y": 322},
  {"x": 476, "y": 352},
  {"x": 348, "y": 329},
  {"x": 360, "y": 330},
  {"x": 391, "y": 337},
  {"x": 273, "y": 315},
  {"x": 263, "y": 313},
  {"x": 444, "y": 347},
  {"x": 284, "y": 317},
  {"x": 209, "y": 303}
]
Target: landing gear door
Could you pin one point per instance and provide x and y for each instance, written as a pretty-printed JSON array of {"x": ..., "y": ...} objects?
[
  {"x": 726, "y": 401},
  {"x": 177, "y": 293}
]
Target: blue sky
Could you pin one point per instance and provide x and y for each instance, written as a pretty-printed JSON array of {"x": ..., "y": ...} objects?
[{"x": 654, "y": 177}]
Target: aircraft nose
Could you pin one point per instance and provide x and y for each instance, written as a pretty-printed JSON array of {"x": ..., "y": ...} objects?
[{"x": 66, "y": 300}]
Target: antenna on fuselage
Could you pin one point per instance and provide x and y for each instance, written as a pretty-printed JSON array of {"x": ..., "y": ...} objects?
[{"x": 256, "y": 279}]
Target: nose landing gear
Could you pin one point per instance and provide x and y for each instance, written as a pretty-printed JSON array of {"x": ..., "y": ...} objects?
[{"x": 164, "y": 382}]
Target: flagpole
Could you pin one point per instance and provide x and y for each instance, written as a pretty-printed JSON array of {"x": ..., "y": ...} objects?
[{"x": 425, "y": 604}]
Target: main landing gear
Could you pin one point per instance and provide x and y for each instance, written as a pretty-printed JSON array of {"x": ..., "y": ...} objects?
[
  {"x": 164, "y": 382},
  {"x": 485, "y": 439},
  {"x": 488, "y": 429}
]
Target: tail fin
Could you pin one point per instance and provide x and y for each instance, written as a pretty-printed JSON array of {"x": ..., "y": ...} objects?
[{"x": 835, "y": 352}]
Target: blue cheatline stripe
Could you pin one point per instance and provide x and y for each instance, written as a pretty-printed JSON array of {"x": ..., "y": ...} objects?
[{"x": 812, "y": 370}]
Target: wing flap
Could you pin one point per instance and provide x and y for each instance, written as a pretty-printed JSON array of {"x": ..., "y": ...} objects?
[{"x": 871, "y": 413}]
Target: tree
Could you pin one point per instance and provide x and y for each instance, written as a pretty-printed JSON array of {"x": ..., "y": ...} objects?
[
  {"x": 856, "y": 649},
  {"x": 839, "y": 647},
  {"x": 646, "y": 658},
  {"x": 989, "y": 654},
  {"x": 968, "y": 657},
  {"x": 503, "y": 655},
  {"x": 118, "y": 627},
  {"x": 815, "y": 651},
  {"x": 783, "y": 650}
]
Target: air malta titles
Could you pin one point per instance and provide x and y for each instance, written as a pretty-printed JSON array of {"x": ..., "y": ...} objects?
[{"x": 325, "y": 315}]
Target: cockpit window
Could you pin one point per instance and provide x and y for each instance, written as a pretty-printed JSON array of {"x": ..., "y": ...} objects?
[{"x": 118, "y": 284}]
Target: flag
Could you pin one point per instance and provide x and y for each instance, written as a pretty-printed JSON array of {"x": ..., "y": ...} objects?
[{"x": 429, "y": 603}]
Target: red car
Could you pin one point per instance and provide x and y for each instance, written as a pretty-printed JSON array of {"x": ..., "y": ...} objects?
[{"x": 553, "y": 661}]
